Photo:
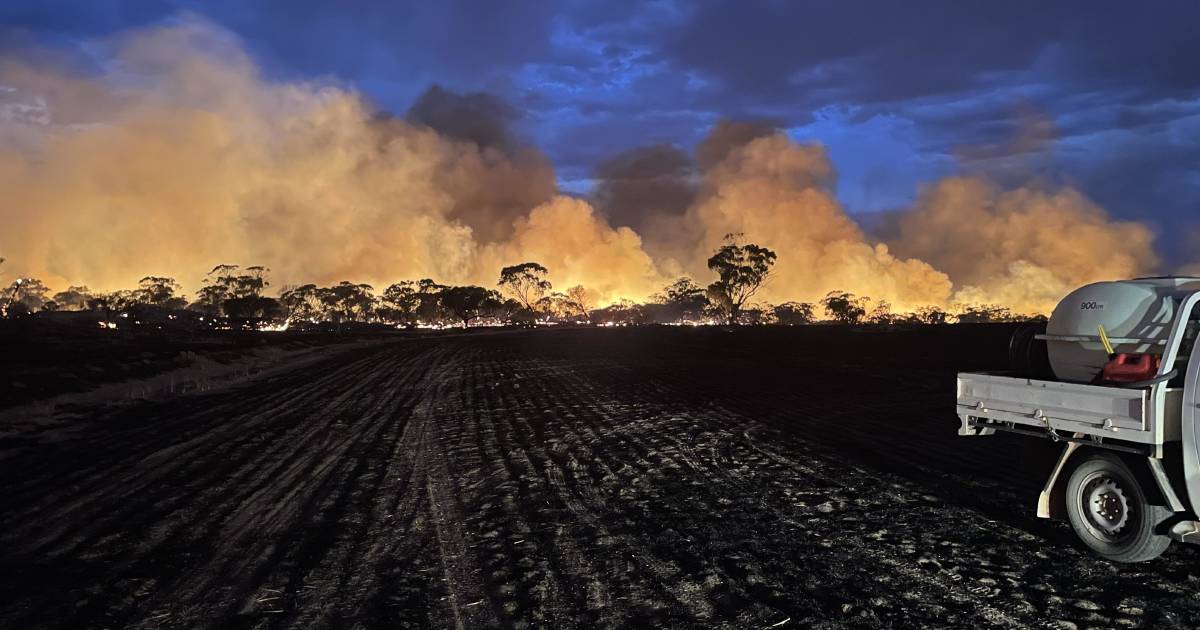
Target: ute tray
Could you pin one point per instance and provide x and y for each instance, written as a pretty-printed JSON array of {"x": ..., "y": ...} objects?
[{"x": 1068, "y": 408}]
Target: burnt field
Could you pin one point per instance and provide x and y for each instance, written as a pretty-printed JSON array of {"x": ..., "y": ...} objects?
[{"x": 563, "y": 478}]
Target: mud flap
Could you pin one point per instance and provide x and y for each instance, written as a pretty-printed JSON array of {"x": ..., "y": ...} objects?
[
  {"x": 1043, "y": 507},
  {"x": 1164, "y": 484}
]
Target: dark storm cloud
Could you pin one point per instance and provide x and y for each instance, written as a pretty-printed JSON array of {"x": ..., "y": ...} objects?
[
  {"x": 454, "y": 40},
  {"x": 68, "y": 18},
  {"x": 863, "y": 51}
]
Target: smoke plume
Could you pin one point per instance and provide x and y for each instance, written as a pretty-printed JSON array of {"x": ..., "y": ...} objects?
[
  {"x": 1024, "y": 248},
  {"x": 647, "y": 189},
  {"x": 1191, "y": 243},
  {"x": 179, "y": 155},
  {"x": 780, "y": 194},
  {"x": 190, "y": 158}
]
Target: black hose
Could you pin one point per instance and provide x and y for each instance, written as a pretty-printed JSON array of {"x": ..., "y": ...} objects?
[
  {"x": 1154, "y": 381},
  {"x": 1027, "y": 355}
]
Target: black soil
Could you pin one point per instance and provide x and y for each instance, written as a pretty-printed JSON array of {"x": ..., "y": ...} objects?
[{"x": 565, "y": 478}]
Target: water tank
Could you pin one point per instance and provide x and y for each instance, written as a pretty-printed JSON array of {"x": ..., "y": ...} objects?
[{"x": 1136, "y": 314}]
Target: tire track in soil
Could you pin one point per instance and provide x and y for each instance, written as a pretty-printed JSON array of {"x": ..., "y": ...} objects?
[
  {"x": 379, "y": 572},
  {"x": 332, "y": 488},
  {"x": 997, "y": 612},
  {"x": 948, "y": 584},
  {"x": 629, "y": 433},
  {"x": 582, "y": 499},
  {"x": 130, "y": 470},
  {"x": 757, "y": 605},
  {"x": 488, "y": 482},
  {"x": 589, "y": 506},
  {"x": 251, "y": 464},
  {"x": 197, "y": 460},
  {"x": 538, "y": 576},
  {"x": 460, "y": 568}
]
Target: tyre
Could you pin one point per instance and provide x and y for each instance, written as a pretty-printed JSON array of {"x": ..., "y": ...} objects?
[{"x": 1110, "y": 512}]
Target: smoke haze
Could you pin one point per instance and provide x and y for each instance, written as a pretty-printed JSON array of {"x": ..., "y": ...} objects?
[{"x": 180, "y": 155}]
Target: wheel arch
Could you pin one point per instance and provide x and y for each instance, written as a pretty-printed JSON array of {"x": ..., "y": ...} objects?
[{"x": 1136, "y": 464}]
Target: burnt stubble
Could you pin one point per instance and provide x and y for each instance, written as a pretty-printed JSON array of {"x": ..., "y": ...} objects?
[{"x": 668, "y": 477}]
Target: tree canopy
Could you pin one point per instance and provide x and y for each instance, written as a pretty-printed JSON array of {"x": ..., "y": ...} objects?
[
  {"x": 844, "y": 308},
  {"x": 467, "y": 303},
  {"x": 742, "y": 270},
  {"x": 525, "y": 283}
]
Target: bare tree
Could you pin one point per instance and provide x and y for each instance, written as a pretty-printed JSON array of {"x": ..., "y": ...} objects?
[
  {"x": 525, "y": 282},
  {"x": 742, "y": 269}
]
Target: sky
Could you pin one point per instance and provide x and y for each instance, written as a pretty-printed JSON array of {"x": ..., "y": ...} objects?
[{"x": 1103, "y": 96}]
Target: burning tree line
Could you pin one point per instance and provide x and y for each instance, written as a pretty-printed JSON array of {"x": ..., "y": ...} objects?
[{"x": 524, "y": 295}]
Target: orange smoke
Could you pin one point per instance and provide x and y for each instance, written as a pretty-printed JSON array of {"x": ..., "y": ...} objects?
[
  {"x": 1023, "y": 248},
  {"x": 779, "y": 194},
  {"x": 182, "y": 156}
]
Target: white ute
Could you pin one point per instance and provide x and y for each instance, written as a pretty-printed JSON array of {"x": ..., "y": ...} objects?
[{"x": 1129, "y": 475}]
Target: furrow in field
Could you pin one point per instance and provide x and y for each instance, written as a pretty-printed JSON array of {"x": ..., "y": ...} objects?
[
  {"x": 167, "y": 439},
  {"x": 284, "y": 530},
  {"x": 239, "y": 473},
  {"x": 732, "y": 467}
]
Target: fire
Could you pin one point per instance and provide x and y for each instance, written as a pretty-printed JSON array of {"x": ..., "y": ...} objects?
[{"x": 219, "y": 164}]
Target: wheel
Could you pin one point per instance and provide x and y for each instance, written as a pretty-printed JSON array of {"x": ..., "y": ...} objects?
[{"x": 1110, "y": 513}]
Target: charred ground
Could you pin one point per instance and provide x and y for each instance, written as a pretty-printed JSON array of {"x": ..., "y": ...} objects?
[{"x": 567, "y": 478}]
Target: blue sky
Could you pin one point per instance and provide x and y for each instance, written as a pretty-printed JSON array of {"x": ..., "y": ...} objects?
[{"x": 1101, "y": 95}]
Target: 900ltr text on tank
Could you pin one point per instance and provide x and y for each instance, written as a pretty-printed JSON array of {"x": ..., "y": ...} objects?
[{"x": 1114, "y": 375}]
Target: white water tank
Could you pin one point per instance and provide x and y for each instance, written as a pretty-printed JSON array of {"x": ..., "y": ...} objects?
[{"x": 1136, "y": 315}]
